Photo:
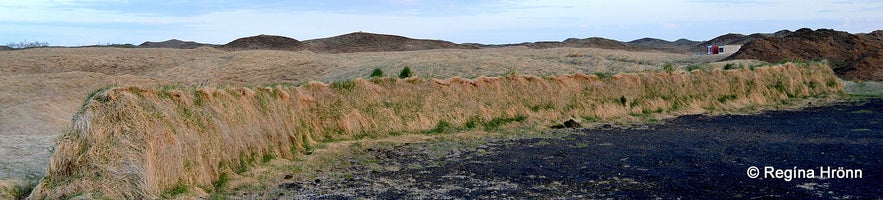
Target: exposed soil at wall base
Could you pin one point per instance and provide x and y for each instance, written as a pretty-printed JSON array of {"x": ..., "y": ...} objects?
[{"x": 690, "y": 157}]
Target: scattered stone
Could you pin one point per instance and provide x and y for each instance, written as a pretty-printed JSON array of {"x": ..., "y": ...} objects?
[
  {"x": 289, "y": 176},
  {"x": 572, "y": 123}
]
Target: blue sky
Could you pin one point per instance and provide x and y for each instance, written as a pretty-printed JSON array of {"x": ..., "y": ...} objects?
[{"x": 89, "y": 22}]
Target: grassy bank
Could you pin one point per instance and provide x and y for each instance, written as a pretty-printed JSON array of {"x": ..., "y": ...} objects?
[{"x": 133, "y": 142}]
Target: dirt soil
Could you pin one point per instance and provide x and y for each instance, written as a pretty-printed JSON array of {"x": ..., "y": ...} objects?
[{"x": 689, "y": 157}]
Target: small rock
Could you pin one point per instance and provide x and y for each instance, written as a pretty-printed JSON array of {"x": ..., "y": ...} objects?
[
  {"x": 572, "y": 123},
  {"x": 289, "y": 176}
]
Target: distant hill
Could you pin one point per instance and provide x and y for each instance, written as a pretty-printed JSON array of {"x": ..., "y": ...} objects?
[
  {"x": 371, "y": 42},
  {"x": 173, "y": 43},
  {"x": 264, "y": 42},
  {"x": 854, "y": 56},
  {"x": 653, "y": 42},
  {"x": 595, "y": 42},
  {"x": 5, "y": 48},
  {"x": 678, "y": 46},
  {"x": 592, "y": 42}
]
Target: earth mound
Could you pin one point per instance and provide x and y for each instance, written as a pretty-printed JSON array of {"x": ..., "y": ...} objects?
[
  {"x": 371, "y": 42},
  {"x": 265, "y": 42},
  {"x": 173, "y": 43},
  {"x": 853, "y": 56}
]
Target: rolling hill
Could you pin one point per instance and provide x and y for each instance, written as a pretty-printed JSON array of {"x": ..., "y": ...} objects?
[
  {"x": 853, "y": 56},
  {"x": 265, "y": 42},
  {"x": 371, "y": 42},
  {"x": 173, "y": 43}
]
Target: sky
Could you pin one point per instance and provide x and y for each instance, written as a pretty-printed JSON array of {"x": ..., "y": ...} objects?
[{"x": 91, "y": 22}]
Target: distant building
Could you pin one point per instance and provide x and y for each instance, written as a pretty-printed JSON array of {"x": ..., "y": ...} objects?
[{"x": 723, "y": 49}]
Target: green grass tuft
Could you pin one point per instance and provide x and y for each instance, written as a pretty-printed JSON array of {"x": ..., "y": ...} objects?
[
  {"x": 729, "y": 66},
  {"x": 603, "y": 75},
  {"x": 472, "y": 123},
  {"x": 441, "y": 127},
  {"x": 668, "y": 67},
  {"x": 496, "y": 123},
  {"x": 377, "y": 72},
  {"x": 94, "y": 93},
  {"x": 346, "y": 85},
  {"x": 726, "y": 98},
  {"x": 406, "y": 72},
  {"x": 267, "y": 157},
  {"x": 222, "y": 181},
  {"x": 863, "y": 112},
  {"x": 543, "y": 106},
  {"x": 179, "y": 188}
]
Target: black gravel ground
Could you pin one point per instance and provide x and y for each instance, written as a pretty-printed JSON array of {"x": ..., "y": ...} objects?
[{"x": 690, "y": 157}]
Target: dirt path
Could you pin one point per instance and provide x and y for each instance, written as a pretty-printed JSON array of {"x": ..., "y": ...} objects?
[{"x": 691, "y": 157}]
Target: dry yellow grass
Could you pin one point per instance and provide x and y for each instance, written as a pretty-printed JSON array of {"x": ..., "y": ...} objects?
[{"x": 144, "y": 142}]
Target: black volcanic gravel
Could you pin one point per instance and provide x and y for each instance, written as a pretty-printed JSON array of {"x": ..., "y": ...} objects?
[{"x": 689, "y": 157}]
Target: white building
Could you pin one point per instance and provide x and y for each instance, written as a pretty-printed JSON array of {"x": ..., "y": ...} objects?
[{"x": 724, "y": 49}]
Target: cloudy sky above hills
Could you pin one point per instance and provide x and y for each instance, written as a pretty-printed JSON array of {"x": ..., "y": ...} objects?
[{"x": 89, "y": 22}]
